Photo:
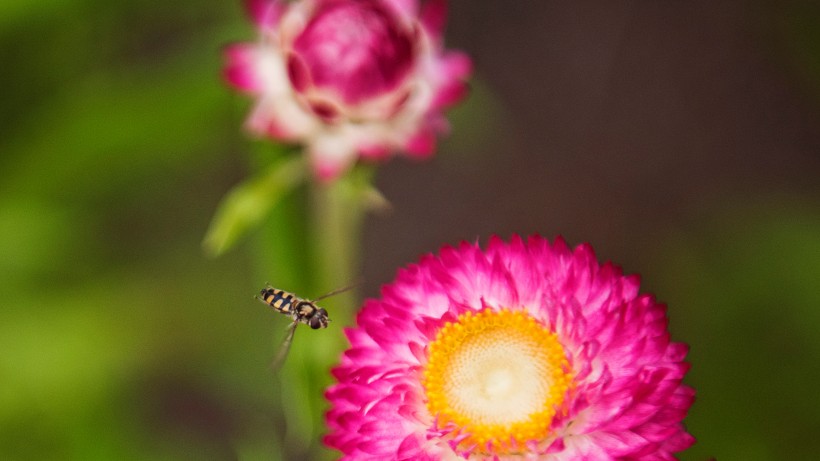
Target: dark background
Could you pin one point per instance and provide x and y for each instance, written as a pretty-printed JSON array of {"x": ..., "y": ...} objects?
[{"x": 680, "y": 138}]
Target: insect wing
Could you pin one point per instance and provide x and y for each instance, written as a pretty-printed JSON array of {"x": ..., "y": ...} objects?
[{"x": 282, "y": 353}]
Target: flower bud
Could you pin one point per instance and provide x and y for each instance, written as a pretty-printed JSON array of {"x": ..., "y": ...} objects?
[{"x": 349, "y": 78}]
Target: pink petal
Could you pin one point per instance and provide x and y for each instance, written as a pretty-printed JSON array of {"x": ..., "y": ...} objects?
[
  {"x": 240, "y": 68},
  {"x": 433, "y": 16},
  {"x": 422, "y": 144},
  {"x": 265, "y": 13}
]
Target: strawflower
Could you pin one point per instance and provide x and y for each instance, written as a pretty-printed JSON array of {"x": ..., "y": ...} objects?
[
  {"x": 349, "y": 78},
  {"x": 528, "y": 350}
]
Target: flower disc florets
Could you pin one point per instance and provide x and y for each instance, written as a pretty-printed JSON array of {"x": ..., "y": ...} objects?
[
  {"x": 349, "y": 78},
  {"x": 496, "y": 376},
  {"x": 528, "y": 350}
]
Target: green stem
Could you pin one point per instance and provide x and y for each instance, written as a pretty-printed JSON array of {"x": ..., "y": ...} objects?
[
  {"x": 336, "y": 221},
  {"x": 332, "y": 226}
]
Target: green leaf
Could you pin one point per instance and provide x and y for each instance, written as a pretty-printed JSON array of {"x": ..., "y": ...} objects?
[{"x": 249, "y": 203}]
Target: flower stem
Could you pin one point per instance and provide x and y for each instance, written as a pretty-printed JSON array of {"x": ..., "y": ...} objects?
[{"x": 323, "y": 222}]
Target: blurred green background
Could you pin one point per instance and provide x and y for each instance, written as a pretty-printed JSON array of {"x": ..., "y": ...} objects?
[{"x": 680, "y": 138}]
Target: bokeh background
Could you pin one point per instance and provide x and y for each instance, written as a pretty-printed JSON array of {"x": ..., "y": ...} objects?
[{"x": 680, "y": 138}]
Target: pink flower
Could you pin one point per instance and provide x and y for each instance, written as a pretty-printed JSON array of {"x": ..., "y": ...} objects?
[
  {"x": 349, "y": 78},
  {"x": 528, "y": 350}
]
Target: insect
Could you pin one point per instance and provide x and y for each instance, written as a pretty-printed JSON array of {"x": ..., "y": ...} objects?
[{"x": 300, "y": 310}]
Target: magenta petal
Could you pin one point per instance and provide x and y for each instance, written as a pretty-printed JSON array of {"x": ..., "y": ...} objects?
[
  {"x": 264, "y": 123},
  {"x": 298, "y": 72},
  {"x": 450, "y": 94},
  {"x": 240, "y": 69},
  {"x": 329, "y": 166},
  {"x": 265, "y": 13},
  {"x": 422, "y": 145},
  {"x": 433, "y": 15},
  {"x": 374, "y": 151},
  {"x": 455, "y": 65},
  {"x": 409, "y": 448}
]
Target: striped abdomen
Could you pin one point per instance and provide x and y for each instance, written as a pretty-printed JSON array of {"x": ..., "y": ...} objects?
[{"x": 278, "y": 299}]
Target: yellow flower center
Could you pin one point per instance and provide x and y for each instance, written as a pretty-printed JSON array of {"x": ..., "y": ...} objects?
[{"x": 498, "y": 377}]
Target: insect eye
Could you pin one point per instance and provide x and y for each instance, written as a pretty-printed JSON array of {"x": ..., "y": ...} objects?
[{"x": 315, "y": 323}]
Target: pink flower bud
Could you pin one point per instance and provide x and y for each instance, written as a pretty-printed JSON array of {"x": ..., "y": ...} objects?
[{"x": 349, "y": 78}]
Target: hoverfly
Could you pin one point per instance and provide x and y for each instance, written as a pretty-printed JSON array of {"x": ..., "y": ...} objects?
[{"x": 300, "y": 310}]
